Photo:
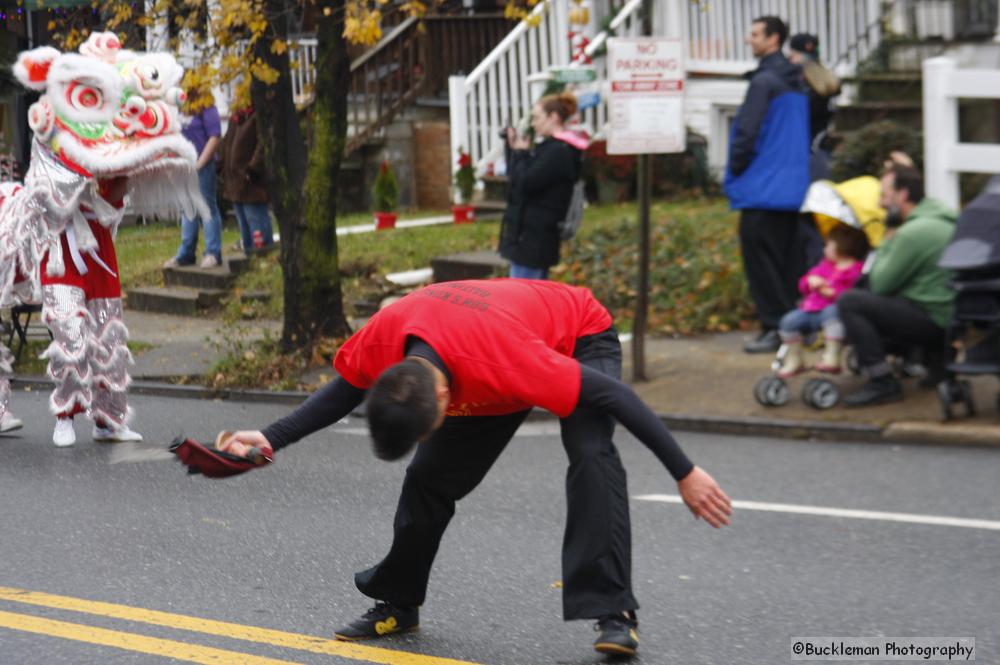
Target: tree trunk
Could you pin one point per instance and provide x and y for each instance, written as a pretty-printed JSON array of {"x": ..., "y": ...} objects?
[
  {"x": 321, "y": 292},
  {"x": 303, "y": 200}
]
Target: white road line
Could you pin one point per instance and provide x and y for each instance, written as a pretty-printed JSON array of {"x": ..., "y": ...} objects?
[{"x": 909, "y": 518}]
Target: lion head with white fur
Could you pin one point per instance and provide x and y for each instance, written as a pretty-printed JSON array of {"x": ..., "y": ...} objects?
[{"x": 108, "y": 112}]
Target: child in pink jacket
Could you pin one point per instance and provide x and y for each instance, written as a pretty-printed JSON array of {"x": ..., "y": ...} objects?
[{"x": 843, "y": 257}]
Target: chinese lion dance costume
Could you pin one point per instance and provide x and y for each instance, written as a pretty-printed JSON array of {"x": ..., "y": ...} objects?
[{"x": 106, "y": 132}]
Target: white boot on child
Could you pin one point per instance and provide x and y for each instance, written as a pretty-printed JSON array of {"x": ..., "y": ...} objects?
[
  {"x": 792, "y": 363},
  {"x": 830, "y": 362},
  {"x": 64, "y": 435}
]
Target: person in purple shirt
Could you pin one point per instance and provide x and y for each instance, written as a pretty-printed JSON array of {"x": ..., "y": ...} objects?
[{"x": 203, "y": 130}]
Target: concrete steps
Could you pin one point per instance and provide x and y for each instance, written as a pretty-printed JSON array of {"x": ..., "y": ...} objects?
[
  {"x": 855, "y": 116},
  {"x": 177, "y": 300},
  {"x": 469, "y": 265},
  {"x": 221, "y": 278},
  {"x": 189, "y": 290}
]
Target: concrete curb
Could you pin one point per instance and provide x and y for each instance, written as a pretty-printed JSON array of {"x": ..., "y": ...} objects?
[{"x": 909, "y": 432}]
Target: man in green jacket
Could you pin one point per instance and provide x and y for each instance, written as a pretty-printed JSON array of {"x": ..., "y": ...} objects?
[{"x": 909, "y": 301}]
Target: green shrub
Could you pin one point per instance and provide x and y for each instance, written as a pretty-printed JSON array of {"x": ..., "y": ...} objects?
[
  {"x": 465, "y": 177},
  {"x": 696, "y": 276},
  {"x": 385, "y": 192},
  {"x": 865, "y": 151}
]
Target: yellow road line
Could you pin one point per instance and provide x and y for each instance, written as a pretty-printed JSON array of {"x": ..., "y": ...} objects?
[
  {"x": 350, "y": 650},
  {"x": 131, "y": 642}
]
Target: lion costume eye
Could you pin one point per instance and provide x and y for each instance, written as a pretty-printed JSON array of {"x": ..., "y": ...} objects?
[
  {"x": 149, "y": 73},
  {"x": 84, "y": 97}
]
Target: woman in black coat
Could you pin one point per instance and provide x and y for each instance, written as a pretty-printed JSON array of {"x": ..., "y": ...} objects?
[{"x": 541, "y": 185}]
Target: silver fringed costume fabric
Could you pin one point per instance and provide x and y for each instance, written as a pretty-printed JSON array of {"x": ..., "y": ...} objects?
[
  {"x": 88, "y": 357},
  {"x": 6, "y": 372},
  {"x": 109, "y": 361},
  {"x": 33, "y": 217},
  {"x": 167, "y": 193}
]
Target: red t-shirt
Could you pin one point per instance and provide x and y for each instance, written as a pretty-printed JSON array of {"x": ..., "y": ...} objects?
[{"x": 508, "y": 343}]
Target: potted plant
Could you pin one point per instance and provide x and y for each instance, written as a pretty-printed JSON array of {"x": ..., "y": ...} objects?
[
  {"x": 385, "y": 197},
  {"x": 465, "y": 182},
  {"x": 611, "y": 173}
]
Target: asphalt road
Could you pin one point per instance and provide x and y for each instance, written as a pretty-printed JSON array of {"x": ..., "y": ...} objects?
[{"x": 111, "y": 554}]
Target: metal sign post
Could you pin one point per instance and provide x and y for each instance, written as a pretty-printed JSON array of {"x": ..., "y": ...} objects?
[{"x": 646, "y": 116}]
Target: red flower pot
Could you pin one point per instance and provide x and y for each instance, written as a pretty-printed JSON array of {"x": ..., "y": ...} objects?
[
  {"x": 385, "y": 220},
  {"x": 463, "y": 214}
]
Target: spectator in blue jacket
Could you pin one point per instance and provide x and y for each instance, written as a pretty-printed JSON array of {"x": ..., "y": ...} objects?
[{"x": 767, "y": 177}]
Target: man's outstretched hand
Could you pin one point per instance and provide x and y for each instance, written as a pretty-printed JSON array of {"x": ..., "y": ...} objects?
[
  {"x": 243, "y": 444},
  {"x": 705, "y": 498}
]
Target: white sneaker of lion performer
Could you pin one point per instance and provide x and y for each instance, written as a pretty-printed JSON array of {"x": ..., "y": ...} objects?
[
  {"x": 120, "y": 435},
  {"x": 64, "y": 435},
  {"x": 10, "y": 422}
]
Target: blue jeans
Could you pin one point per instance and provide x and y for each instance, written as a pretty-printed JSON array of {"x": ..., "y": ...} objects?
[
  {"x": 213, "y": 226},
  {"x": 517, "y": 271},
  {"x": 797, "y": 323},
  {"x": 253, "y": 217}
]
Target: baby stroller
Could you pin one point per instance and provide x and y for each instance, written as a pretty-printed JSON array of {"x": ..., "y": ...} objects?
[
  {"x": 973, "y": 337},
  {"x": 855, "y": 203}
]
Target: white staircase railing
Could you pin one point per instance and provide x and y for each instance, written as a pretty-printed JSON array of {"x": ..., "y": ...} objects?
[
  {"x": 496, "y": 93},
  {"x": 499, "y": 92},
  {"x": 626, "y": 23}
]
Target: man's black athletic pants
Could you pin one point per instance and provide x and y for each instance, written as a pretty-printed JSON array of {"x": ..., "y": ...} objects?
[
  {"x": 597, "y": 548},
  {"x": 771, "y": 244}
]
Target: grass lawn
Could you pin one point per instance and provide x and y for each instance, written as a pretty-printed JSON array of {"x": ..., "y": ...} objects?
[
  {"x": 696, "y": 280},
  {"x": 142, "y": 250}
]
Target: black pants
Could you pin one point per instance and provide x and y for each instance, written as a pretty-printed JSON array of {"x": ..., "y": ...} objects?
[
  {"x": 773, "y": 259},
  {"x": 597, "y": 547},
  {"x": 872, "y": 321}
]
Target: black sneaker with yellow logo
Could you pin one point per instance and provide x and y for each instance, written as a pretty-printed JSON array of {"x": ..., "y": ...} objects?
[
  {"x": 619, "y": 635},
  {"x": 381, "y": 620}
]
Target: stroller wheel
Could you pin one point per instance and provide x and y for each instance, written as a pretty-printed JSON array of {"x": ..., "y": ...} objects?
[
  {"x": 820, "y": 394},
  {"x": 771, "y": 391}
]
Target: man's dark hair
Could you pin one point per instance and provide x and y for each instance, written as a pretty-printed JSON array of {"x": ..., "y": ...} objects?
[
  {"x": 850, "y": 241},
  {"x": 908, "y": 178},
  {"x": 401, "y": 408},
  {"x": 774, "y": 26}
]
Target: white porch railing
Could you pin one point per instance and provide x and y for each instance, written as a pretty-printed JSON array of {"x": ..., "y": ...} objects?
[
  {"x": 716, "y": 32},
  {"x": 944, "y": 156}
]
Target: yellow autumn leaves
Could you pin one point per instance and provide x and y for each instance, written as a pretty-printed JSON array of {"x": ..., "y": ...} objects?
[
  {"x": 523, "y": 10},
  {"x": 363, "y": 22}
]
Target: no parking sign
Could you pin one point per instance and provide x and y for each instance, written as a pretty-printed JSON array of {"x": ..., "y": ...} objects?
[{"x": 646, "y": 106}]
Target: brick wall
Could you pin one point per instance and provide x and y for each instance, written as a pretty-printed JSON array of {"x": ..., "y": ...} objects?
[{"x": 432, "y": 159}]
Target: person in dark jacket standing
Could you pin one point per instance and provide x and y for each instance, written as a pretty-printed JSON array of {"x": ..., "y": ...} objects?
[
  {"x": 541, "y": 186},
  {"x": 243, "y": 182},
  {"x": 822, "y": 84},
  {"x": 767, "y": 177}
]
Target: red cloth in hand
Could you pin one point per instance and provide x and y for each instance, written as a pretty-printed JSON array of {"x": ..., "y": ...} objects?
[{"x": 211, "y": 463}]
